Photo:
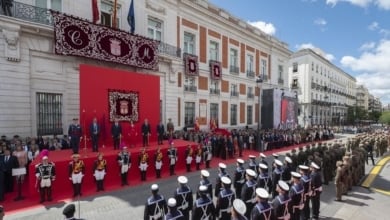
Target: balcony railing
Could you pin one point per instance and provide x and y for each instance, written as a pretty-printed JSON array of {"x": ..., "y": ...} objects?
[
  {"x": 30, "y": 13},
  {"x": 234, "y": 70},
  {"x": 280, "y": 81},
  {"x": 250, "y": 95},
  {"x": 215, "y": 91},
  {"x": 169, "y": 50},
  {"x": 250, "y": 73},
  {"x": 190, "y": 88},
  {"x": 234, "y": 93}
]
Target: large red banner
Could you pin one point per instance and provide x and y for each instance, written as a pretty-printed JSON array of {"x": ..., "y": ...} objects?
[{"x": 78, "y": 37}]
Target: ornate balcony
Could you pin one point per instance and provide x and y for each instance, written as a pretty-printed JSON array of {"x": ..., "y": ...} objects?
[
  {"x": 234, "y": 93},
  {"x": 169, "y": 50},
  {"x": 250, "y": 74},
  {"x": 31, "y": 13},
  {"x": 215, "y": 91},
  {"x": 234, "y": 70},
  {"x": 190, "y": 88}
]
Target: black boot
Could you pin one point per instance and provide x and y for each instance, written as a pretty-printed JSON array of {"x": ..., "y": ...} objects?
[
  {"x": 79, "y": 189},
  {"x": 48, "y": 191},
  {"x": 123, "y": 179},
  {"x": 42, "y": 194},
  {"x": 101, "y": 185},
  {"x": 97, "y": 185},
  {"x": 75, "y": 190},
  {"x": 158, "y": 173}
]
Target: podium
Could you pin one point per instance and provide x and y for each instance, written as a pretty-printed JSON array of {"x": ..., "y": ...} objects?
[{"x": 18, "y": 173}]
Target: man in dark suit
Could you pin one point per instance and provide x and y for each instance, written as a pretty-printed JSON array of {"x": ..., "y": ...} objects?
[
  {"x": 10, "y": 162},
  {"x": 2, "y": 169},
  {"x": 160, "y": 132},
  {"x": 145, "y": 129},
  {"x": 75, "y": 135},
  {"x": 116, "y": 133},
  {"x": 94, "y": 130}
]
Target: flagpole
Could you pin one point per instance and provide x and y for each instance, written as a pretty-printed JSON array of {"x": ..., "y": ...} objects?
[{"x": 114, "y": 19}]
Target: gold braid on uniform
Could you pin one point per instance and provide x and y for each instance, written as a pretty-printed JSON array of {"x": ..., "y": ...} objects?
[
  {"x": 78, "y": 166},
  {"x": 101, "y": 164},
  {"x": 199, "y": 152},
  {"x": 190, "y": 152},
  {"x": 144, "y": 158},
  {"x": 159, "y": 156}
]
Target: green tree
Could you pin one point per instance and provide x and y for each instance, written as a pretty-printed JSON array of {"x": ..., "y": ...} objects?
[{"x": 385, "y": 117}]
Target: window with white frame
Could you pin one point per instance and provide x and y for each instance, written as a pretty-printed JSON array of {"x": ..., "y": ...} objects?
[
  {"x": 295, "y": 67},
  {"x": 214, "y": 50},
  {"x": 214, "y": 111},
  {"x": 190, "y": 84},
  {"x": 189, "y": 114},
  {"x": 263, "y": 67},
  {"x": 49, "y": 4},
  {"x": 106, "y": 14},
  {"x": 189, "y": 43},
  {"x": 233, "y": 114},
  {"x": 155, "y": 29},
  {"x": 233, "y": 90},
  {"x": 234, "y": 60},
  {"x": 249, "y": 65},
  {"x": 280, "y": 74},
  {"x": 214, "y": 87},
  {"x": 249, "y": 114},
  {"x": 250, "y": 92}
]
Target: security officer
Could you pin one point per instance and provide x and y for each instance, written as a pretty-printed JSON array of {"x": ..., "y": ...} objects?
[
  {"x": 75, "y": 135},
  {"x": 203, "y": 207},
  {"x": 239, "y": 209},
  {"x": 143, "y": 163},
  {"x": 172, "y": 155},
  {"x": 183, "y": 196},
  {"x": 263, "y": 179},
  {"x": 205, "y": 182},
  {"x": 280, "y": 202},
  {"x": 306, "y": 181},
  {"x": 262, "y": 209},
  {"x": 296, "y": 194},
  {"x": 225, "y": 200},
  {"x": 99, "y": 168},
  {"x": 222, "y": 172},
  {"x": 316, "y": 186},
  {"x": 156, "y": 205},
  {"x": 45, "y": 173},
  {"x": 239, "y": 177},
  {"x": 173, "y": 213},
  {"x": 158, "y": 158},
  {"x": 276, "y": 176},
  {"x": 248, "y": 193},
  {"x": 124, "y": 161},
  {"x": 76, "y": 172}
]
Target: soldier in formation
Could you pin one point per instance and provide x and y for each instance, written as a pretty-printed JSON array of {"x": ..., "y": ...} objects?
[{"x": 46, "y": 174}]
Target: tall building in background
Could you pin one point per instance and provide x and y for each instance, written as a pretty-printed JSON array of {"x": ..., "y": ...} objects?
[{"x": 208, "y": 63}]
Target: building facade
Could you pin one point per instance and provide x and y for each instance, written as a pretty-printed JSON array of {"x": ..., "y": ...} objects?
[
  {"x": 362, "y": 97},
  {"x": 38, "y": 86},
  {"x": 324, "y": 91}
]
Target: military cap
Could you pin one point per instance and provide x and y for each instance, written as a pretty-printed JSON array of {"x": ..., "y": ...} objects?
[
  {"x": 303, "y": 167},
  {"x": 283, "y": 185},
  {"x": 202, "y": 188},
  {"x": 239, "y": 206},
  {"x": 278, "y": 162},
  {"x": 262, "y": 155},
  {"x": 296, "y": 175},
  {"x": 262, "y": 193},
  {"x": 182, "y": 179},
  {"x": 222, "y": 165},
  {"x": 154, "y": 187},
  {"x": 314, "y": 165},
  {"x": 171, "y": 202},
  {"x": 69, "y": 210},
  {"x": 252, "y": 157},
  {"x": 45, "y": 158},
  {"x": 226, "y": 180},
  {"x": 275, "y": 155},
  {"x": 288, "y": 160},
  {"x": 263, "y": 166},
  {"x": 205, "y": 173},
  {"x": 240, "y": 161},
  {"x": 250, "y": 172}
]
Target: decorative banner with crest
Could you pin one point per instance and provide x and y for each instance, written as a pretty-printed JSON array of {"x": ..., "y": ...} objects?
[
  {"x": 123, "y": 105},
  {"x": 191, "y": 65},
  {"x": 215, "y": 70},
  {"x": 79, "y": 37}
]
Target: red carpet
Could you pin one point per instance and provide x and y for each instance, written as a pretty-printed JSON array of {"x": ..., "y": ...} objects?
[{"x": 62, "y": 188}]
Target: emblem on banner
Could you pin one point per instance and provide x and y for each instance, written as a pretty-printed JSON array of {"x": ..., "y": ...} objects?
[
  {"x": 124, "y": 107},
  {"x": 115, "y": 46}
]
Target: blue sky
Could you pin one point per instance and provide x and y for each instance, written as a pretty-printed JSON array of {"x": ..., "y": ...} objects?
[{"x": 354, "y": 34}]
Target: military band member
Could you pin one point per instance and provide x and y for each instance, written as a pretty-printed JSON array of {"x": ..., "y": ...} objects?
[
  {"x": 173, "y": 213},
  {"x": 124, "y": 161},
  {"x": 158, "y": 158},
  {"x": 188, "y": 156},
  {"x": 46, "y": 174},
  {"x": 198, "y": 157},
  {"x": 263, "y": 179},
  {"x": 222, "y": 172},
  {"x": 225, "y": 200},
  {"x": 156, "y": 205},
  {"x": 239, "y": 209},
  {"x": 204, "y": 175},
  {"x": 306, "y": 181},
  {"x": 262, "y": 209},
  {"x": 239, "y": 177},
  {"x": 208, "y": 153},
  {"x": 316, "y": 187},
  {"x": 99, "y": 168},
  {"x": 172, "y": 155},
  {"x": 143, "y": 163},
  {"x": 75, "y": 135},
  {"x": 183, "y": 196},
  {"x": 252, "y": 163},
  {"x": 203, "y": 207},
  {"x": 276, "y": 176},
  {"x": 281, "y": 201},
  {"x": 76, "y": 173},
  {"x": 248, "y": 193},
  {"x": 296, "y": 194}
]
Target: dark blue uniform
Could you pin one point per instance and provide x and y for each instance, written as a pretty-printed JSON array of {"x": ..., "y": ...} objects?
[
  {"x": 316, "y": 187},
  {"x": 224, "y": 204},
  {"x": 239, "y": 180},
  {"x": 261, "y": 211},
  {"x": 207, "y": 183},
  {"x": 306, "y": 181},
  {"x": 75, "y": 133},
  {"x": 248, "y": 195},
  {"x": 264, "y": 181},
  {"x": 280, "y": 206},
  {"x": 184, "y": 199},
  {"x": 155, "y": 208},
  {"x": 296, "y": 204},
  {"x": 218, "y": 183},
  {"x": 174, "y": 215},
  {"x": 203, "y": 209},
  {"x": 276, "y": 176}
]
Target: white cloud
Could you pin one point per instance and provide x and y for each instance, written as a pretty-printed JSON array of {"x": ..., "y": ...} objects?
[
  {"x": 320, "y": 22},
  {"x": 374, "y": 68},
  {"x": 367, "y": 46},
  {"x": 320, "y": 52},
  {"x": 373, "y": 26},
  {"x": 382, "y": 4},
  {"x": 268, "y": 28}
]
